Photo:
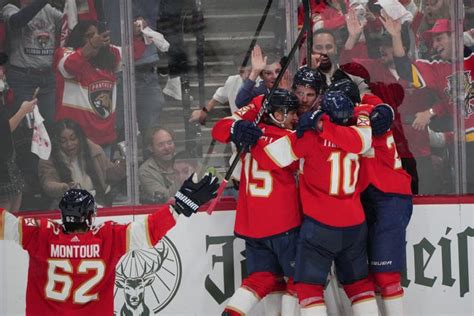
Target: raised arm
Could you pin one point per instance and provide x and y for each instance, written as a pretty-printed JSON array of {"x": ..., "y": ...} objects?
[
  {"x": 192, "y": 194},
  {"x": 26, "y": 14}
]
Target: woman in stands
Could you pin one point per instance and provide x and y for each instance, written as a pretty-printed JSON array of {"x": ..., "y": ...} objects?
[{"x": 77, "y": 162}]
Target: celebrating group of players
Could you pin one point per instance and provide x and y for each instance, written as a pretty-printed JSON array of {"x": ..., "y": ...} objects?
[{"x": 319, "y": 185}]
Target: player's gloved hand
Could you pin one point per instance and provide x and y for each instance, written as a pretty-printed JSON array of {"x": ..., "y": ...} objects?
[
  {"x": 381, "y": 119},
  {"x": 193, "y": 194},
  {"x": 308, "y": 120},
  {"x": 245, "y": 133}
]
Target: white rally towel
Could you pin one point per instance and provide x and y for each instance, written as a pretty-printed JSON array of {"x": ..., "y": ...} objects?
[
  {"x": 40, "y": 143},
  {"x": 69, "y": 19},
  {"x": 395, "y": 10},
  {"x": 150, "y": 36}
]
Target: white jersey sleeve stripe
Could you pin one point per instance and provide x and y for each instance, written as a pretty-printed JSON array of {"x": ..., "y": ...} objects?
[
  {"x": 281, "y": 152},
  {"x": 61, "y": 68},
  {"x": 365, "y": 134},
  {"x": 10, "y": 227},
  {"x": 138, "y": 235}
]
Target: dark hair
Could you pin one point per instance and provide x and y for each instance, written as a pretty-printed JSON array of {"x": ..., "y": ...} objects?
[
  {"x": 104, "y": 59},
  {"x": 325, "y": 31},
  {"x": 84, "y": 154}
]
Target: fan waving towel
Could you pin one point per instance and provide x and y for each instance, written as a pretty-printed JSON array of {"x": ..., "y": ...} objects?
[{"x": 40, "y": 143}]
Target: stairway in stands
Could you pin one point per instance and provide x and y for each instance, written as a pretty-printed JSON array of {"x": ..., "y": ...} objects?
[{"x": 228, "y": 29}]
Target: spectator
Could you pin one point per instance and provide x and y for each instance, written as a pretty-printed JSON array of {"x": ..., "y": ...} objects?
[
  {"x": 149, "y": 96},
  {"x": 267, "y": 67},
  {"x": 438, "y": 76},
  {"x": 413, "y": 145},
  {"x": 225, "y": 94},
  {"x": 86, "y": 91},
  {"x": 430, "y": 11},
  {"x": 326, "y": 14},
  {"x": 11, "y": 180},
  {"x": 170, "y": 23},
  {"x": 158, "y": 178},
  {"x": 77, "y": 162},
  {"x": 32, "y": 32},
  {"x": 326, "y": 58}
]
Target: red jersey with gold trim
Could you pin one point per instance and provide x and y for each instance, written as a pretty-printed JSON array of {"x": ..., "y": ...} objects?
[
  {"x": 268, "y": 202},
  {"x": 74, "y": 274},
  {"x": 381, "y": 165},
  {"x": 86, "y": 94},
  {"x": 329, "y": 169},
  {"x": 440, "y": 75}
]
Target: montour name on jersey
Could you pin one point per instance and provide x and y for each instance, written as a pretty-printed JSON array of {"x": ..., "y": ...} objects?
[{"x": 75, "y": 251}]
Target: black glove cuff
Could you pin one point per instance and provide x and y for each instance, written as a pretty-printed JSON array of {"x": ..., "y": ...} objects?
[{"x": 187, "y": 201}]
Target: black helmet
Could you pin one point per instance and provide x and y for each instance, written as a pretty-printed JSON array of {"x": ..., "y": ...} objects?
[
  {"x": 282, "y": 100},
  {"x": 77, "y": 208},
  {"x": 348, "y": 87},
  {"x": 311, "y": 78},
  {"x": 338, "y": 106}
]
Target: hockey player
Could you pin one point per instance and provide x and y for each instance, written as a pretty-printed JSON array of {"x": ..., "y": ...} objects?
[
  {"x": 388, "y": 207},
  {"x": 387, "y": 199},
  {"x": 72, "y": 264},
  {"x": 333, "y": 228},
  {"x": 263, "y": 195},
  {"x": 307, "y": 85}
]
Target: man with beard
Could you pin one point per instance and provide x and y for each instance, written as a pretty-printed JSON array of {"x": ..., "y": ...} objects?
[
  {"x": 326, "y": 57},
  {"x": 157, "y": 175},
  {"x": 307, "y": 85}
]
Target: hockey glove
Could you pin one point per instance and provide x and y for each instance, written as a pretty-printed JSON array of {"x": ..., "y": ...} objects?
[
  {"x": 381, "y": 119},
  {"x": 307, "y": 121},
  {"x": 193, "y": 194},
  {"x": 245, "y": 133}
]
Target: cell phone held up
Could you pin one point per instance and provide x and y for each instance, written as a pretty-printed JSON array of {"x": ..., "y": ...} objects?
[{"x": 102, "y": 27}]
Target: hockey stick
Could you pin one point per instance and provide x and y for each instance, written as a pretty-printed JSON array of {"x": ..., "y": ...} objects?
[
  {"x": 309, "y": 31},
  {"x": 257, "y": 33},
  {"x": 234, "y": 162}
]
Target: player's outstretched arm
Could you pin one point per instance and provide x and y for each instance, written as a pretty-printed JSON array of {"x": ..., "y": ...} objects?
[
  {"x": 18, "y": 229},
  {"x": 192, "y": 194}
]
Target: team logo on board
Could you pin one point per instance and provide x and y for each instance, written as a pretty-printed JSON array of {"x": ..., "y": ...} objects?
[{"x": 147, "y": 279}]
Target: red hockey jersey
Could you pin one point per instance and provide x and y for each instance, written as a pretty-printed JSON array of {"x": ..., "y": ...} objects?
[
  {"x": 86, "y": 94},
  {"x": 74, "y": 274},
  {"x": 268, "y": 202},
  {"x": 329, "y": 169},
  {"x": 440, "y": 75},
  {"x": 381, "y": 165}
]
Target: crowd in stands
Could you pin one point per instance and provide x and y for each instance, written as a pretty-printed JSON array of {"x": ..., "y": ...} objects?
[{"x": 65, "y": 58}]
